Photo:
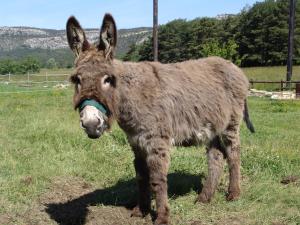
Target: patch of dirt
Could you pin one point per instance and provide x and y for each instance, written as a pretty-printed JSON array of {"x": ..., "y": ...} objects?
[
  {"x": 277, "y": 223},
  {"x": 72, "y": 201},
  {"x": 290, "y": 179},
  {"x": 196, "y": 223},
  {"x": 26, "y": 180},
  {"x": 233, "y": 221},
  {"x": 5, "y": 219}
]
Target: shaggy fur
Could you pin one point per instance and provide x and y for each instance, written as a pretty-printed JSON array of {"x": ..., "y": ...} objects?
[{"x": 160, "y": 105}]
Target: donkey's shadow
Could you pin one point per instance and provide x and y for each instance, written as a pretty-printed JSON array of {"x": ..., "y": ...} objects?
[{"x": 121, "y": 194}]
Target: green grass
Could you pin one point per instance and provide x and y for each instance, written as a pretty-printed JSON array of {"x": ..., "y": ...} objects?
[{"x": 41, "y": 140}]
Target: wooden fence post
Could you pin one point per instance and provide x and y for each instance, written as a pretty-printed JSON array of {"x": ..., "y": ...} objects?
[
  {"x": 297, "y": 90},
  {"x": 46, "y": 78},
  {"x": 251, "y": 83}
]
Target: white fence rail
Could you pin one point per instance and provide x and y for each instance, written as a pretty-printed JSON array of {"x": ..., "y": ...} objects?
[{"x": 31, "y": 79}]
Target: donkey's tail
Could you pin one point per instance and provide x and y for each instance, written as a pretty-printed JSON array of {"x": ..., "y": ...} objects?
[{"x": 247, "y": 118}]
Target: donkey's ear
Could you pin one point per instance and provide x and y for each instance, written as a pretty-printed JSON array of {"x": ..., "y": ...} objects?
[
  {"x": 108, "y": 36},
  {"x": 76, "y": 37}
]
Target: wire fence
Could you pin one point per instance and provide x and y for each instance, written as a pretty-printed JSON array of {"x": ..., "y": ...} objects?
[
  {"x": 42, "y": 82},
  {"x": 30, "y": 82},
  {"x": 29, "y": 78}
]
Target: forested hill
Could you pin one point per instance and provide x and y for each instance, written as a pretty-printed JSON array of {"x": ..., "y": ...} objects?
[
  {"x": 257, "y": 36},
  {"x": 43, "y": 44}
]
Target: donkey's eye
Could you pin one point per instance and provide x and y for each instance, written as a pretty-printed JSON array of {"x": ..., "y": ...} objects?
[
  {"x": 108, "y": 79},
  {"x": 75, "y": 79}
]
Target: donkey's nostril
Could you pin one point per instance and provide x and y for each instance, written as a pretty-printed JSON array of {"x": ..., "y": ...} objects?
[
  {"x": 83, "y": 125},
  {"x": 99, "y": 123}
]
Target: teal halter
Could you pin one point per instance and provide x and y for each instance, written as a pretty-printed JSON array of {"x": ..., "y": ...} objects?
[{"x": 94, "y": 103}]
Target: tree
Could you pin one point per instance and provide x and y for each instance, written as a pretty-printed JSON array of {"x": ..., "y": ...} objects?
[
  {"x": 263, "y": 33},
  {"x": 181, "y": 40},
  {"x": 257, "y": 36},
  {"x": 225, "y": 50},
  {"x": 19, "y": 67},
  {"x": 132, "y": 54},
  {"x": 30, "y": 65},
  {"x": 51, "y": 63}
]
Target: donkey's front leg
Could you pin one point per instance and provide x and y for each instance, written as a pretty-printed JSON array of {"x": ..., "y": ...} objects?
[
  {"x": 158, "y": 163},
  {"x": 142, "y": 177}
]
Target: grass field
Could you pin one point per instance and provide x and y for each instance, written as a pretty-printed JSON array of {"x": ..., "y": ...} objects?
[{"x": 51, "y": 173}]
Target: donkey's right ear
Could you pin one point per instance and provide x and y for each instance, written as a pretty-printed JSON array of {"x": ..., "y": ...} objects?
[{"x": 76, "y": 37}]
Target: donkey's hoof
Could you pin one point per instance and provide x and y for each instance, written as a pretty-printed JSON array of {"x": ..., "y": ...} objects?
[
  {"x": 139, "y": 212},
  {"x": 161, "y": 221},
  {"x": 232, "y": 196},
  {"x": 136, "y": 212},
  {"x": 203, "y": 198}
]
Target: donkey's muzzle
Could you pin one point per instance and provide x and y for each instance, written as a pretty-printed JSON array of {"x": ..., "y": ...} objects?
[{"x": 92, "y": 121}]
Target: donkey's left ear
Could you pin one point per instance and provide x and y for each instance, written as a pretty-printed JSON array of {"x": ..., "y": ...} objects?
[{"x": 108, "y": 36}]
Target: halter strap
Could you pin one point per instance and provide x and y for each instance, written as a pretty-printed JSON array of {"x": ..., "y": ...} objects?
[{"x": 92, "y": 102}]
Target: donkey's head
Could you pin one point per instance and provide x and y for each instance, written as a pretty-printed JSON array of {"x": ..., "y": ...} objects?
[{"x": 93, "y": 78}]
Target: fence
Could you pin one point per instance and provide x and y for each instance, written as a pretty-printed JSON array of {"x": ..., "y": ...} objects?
[
  {"x": 46, "y": 80},
  {"x": 31, "y": 79},
  {"x": 284, "y": 85},
  {"x": 12, "y": 83}
]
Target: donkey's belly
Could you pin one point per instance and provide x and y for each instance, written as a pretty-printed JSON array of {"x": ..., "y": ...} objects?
[{"x": 197, "y": 137}]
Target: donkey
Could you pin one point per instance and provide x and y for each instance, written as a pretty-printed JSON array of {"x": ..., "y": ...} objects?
[{"x": 158, "y": 106}]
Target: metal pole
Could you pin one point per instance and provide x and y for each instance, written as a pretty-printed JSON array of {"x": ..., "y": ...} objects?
[
  {"x": 291, "y": 42},
  {"x": 155, "y": 33}
]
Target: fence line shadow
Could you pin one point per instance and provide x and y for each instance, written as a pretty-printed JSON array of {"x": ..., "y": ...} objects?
[{"x": 122, "y": 194}]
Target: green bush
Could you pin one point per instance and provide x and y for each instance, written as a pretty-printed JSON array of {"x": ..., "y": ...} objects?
[
  {"x": 19, "y": 67},
  {"x": 225, "y": 50}
]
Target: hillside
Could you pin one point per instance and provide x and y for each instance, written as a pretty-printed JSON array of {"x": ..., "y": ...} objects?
[{"x": 19, "y": 42}]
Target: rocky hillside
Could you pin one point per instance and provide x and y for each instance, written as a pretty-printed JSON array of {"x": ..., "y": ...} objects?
[{"x": 17, "y": 42}]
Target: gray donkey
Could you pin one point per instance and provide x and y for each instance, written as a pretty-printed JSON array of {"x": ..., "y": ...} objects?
[{"x": 160, "y": 105}]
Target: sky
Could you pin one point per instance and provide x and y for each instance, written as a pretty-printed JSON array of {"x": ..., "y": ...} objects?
[{"x": 53, "y": 14}]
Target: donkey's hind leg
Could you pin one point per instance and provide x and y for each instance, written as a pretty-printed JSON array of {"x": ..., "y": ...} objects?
[
  {"x": 232, "y": 148},
  {"x": 215, "y": 157}
]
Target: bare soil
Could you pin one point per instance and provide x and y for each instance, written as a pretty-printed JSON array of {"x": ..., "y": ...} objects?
[
  {"x": 72, "y": 201},
  {"x": 290, "y": 179}
]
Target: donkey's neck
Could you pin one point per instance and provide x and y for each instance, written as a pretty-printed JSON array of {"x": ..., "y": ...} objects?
[{"x": 136, "y": 84}]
